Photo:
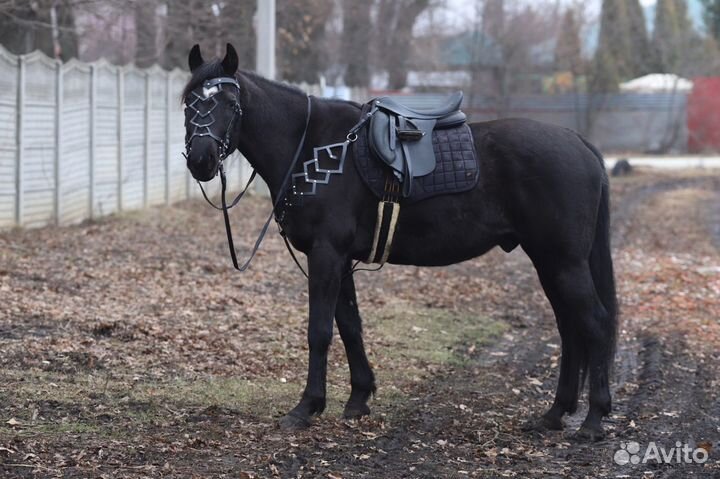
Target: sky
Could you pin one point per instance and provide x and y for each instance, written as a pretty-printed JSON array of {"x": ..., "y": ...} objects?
[
  {"x": 460, "y": 15},
  {"x": 460, "y": 12}
]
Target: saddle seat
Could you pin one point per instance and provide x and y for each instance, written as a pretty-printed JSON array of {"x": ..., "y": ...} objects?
[
  {"x": 395, "y": 105},
  {"x": 402, "y": 137}
]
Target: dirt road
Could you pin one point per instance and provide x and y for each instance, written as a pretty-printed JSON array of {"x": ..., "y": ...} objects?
[{"x": 128, "y": 348}]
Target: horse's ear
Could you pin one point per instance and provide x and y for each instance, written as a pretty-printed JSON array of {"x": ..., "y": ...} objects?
[
  {"x": 230, "y": 62},
  {"x": 195, "y": 58}
]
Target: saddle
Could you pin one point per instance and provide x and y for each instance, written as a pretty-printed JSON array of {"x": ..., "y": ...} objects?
[
  {"x": 402, "y": 137},
  {"x": 413, "y": 154}
]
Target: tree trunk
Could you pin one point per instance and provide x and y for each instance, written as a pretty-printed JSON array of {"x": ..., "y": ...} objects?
[
  {"x": 398, "y": 31},
  {"x": 28, "y": 27},
  {"x": 356, "y": 42},
  {"x": 145, "y": 33}
]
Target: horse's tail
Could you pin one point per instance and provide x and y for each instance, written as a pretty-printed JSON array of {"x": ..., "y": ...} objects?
[{"x": 601, "y": 264}]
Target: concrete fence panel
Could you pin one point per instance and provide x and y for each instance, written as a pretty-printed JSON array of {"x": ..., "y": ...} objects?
[
  {"x": 105, "y": 139},
  {"x": 37, "y": 151},
  {"x": 134, "y": 149},
  {"x": 178, "y": 175},
  {"x": 9, "y": 72},
  {"x": 74, "y": 136}
]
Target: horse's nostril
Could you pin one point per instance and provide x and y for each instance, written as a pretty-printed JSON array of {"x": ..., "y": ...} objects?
[{"x": 202, "y": 167}]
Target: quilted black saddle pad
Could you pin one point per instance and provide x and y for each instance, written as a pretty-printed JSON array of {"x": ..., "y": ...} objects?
[{"x": 457, "y": 167}]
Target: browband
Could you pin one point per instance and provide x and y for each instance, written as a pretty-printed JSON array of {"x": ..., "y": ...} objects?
[{"x": 219, "y": 81}]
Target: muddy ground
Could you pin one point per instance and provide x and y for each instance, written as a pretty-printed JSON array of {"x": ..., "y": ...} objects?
[{"x": 128, "y": 348}]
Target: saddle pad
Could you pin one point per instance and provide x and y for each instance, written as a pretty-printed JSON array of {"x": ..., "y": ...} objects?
[{"x": 457, "y": 168}]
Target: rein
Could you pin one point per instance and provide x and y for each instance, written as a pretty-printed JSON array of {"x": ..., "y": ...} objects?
[{"x": 225, "y": 207}]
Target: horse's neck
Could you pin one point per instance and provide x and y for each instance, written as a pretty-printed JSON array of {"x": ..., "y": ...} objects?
[{"x": 272, "y": 125}]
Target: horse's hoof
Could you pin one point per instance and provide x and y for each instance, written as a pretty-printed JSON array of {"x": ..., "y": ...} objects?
[
  {"x": 293, "y": 422},
  {"x": 543, "y": 424},
  {"x": 589, "y": 434},
  {"x": 356, "y": 411}
]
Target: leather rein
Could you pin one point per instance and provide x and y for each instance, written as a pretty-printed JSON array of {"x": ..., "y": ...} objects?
[{"x": 202, "y": 122}]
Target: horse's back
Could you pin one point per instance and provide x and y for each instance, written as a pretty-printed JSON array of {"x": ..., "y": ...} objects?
[
  {"x": 529, "y": 144},
  {"x": 551, "y": 177}
]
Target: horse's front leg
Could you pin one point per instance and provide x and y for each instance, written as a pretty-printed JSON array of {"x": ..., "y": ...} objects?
[
  {"x": 325, "y": 271},
  {"x": 347, "y": 318}
]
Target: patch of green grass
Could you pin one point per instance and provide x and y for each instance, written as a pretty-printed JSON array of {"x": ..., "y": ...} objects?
[
  {"x": 432, "y": 334},
  {"x": 257, "y": 397},
  {"x": 69, "y": 424},
  {"x": 145, "y": 401}
]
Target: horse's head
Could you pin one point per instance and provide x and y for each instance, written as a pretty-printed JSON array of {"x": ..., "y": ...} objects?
[{"x": 212, "y": 112}]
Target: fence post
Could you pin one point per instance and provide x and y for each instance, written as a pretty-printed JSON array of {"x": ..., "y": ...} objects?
[
  {"x": 19, "y": 142},
  {"x": 120, "y": 121},
  {"x": 93, "y": 99},
  {"x": 58, "y": 139},
  {"x": 167, "y": 138},
  {"x": 146, "y": 144}
]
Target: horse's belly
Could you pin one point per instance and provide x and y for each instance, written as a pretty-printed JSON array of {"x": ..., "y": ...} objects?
[{"x": 441, "y": 247}]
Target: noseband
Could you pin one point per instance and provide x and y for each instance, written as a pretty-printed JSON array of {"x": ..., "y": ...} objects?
[{"x": 203, "y": 118}]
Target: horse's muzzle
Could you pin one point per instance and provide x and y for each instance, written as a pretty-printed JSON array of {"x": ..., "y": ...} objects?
[{"x": 203, "y": 164}]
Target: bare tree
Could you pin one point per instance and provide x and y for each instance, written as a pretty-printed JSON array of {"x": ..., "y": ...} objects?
[
  {"x": 146, "y": 31},
  {"x": 301, "y": 33},
  {"x": 394, "y": 33},
  {"x": 46, "y": 25},
  {"x": 508, "y": 49},
  {"x": 211, "y": 25},
  {"x": 356, "y": 38}
]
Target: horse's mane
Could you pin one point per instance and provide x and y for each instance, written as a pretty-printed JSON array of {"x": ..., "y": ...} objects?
[{"x": 215, "y": 69}]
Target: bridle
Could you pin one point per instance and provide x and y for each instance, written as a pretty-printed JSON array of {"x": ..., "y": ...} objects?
[{"x": 202, "y": 121}]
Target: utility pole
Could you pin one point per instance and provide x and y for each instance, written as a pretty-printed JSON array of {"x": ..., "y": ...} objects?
[
  {"x": 265, "y": 57},
  {"x": 265, "y": 30}
]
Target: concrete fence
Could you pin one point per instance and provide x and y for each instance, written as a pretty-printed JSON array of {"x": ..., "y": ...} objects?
[
  {"x": 84, "y": 140},
  {"x": 81, "y": 140}
]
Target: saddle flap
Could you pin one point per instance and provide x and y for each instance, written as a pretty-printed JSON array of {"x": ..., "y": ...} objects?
[
  {"x": 420, "y": 152},
  {"x": 382, "y": 137},
  {"x": 406, "y": 147}
]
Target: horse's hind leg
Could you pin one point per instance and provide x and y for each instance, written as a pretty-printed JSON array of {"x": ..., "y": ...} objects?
[
  {"x": 568, "y": 387},
  {"x": 349, "y": 323},
  {"x": 586, "y": 342}
]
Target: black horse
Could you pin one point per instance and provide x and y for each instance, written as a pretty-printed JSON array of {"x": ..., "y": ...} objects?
[{"x": 542, "y": 187}]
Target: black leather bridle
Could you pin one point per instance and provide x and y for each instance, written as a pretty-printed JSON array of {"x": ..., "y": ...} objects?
[{"x": 202, "y": 121}]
